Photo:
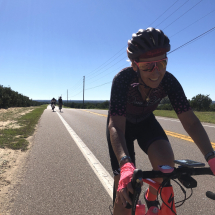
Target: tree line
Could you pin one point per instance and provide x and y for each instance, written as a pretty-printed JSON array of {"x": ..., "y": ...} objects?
[
  {"x": 10, "y": 98},
  {"x": 89, "y": 105},
  {"x": 198, "y": 103}
]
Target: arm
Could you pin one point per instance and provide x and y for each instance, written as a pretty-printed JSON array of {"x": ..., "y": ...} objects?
[
  {"x": 117, "y": 136},
  {"x": 194, "y": 128}
]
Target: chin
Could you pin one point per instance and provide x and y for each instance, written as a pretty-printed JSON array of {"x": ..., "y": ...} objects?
[{"x": 153, "y": 85}]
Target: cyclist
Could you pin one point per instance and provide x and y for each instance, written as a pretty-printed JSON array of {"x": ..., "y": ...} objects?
[
  {"x": 60, "y": 103},
  {"x": 135, "y": 94},
  {"x": 53, "y": 102}
]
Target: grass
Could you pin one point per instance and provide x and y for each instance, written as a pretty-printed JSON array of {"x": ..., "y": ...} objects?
[
  {"x": 203, "y": 116},
  {"x": 15, "y": 138}
]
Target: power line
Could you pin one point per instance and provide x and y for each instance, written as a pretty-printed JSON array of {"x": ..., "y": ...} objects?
[
  {"x": 107, "y": 74},
  {"x": 198, "y": 37},
  {"x": 154, "y": 21},
  {"x": 169, "y": 52},
  {"x": 192, "y": 23},
  {"x": 99, "y": 85},
  {"x": 77, "y": 94},
  {"x": 123, "y": 47},
  {"x": 108, "y": 59},
  {"x": 77, "y": 84},
  {"x": 182, "y": 15},
  {"x": 102, "y": 65},
  {"x": 164, "y": 12},
  {"x": 193, "y": 39},
  {"x": 107, "y": 64},
  {"x": 101, "y": 68},
  {"x": 108, "y": 68},
  {"x": 173, "y": 12}
]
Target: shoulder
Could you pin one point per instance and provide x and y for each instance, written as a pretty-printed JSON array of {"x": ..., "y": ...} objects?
[
  {"x": 126, "y": 72},
  {"x": 169, "y": 77},
  {"x": 122, "y": 79},
  {"x": 170, "y": 81}
]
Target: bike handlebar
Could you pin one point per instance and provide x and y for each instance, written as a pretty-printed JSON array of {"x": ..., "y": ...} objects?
[{"x": 177, "y": 173}]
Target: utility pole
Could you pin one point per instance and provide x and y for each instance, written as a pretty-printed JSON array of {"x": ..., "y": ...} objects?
[
  {"x": 67, "y": 98},
  {"x": 83, "y": 89}
]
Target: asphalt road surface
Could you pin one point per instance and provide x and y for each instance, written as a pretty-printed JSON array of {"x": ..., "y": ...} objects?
[{"x": 59, "y": 178}]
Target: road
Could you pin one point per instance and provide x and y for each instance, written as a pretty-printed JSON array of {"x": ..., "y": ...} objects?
[{"x": 68, "y": 170}]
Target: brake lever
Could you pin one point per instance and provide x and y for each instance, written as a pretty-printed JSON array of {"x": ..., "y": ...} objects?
[{"x": 136, "y": 185}]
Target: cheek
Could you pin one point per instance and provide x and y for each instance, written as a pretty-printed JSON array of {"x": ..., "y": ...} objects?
[
  {"x": 162, "y": 72},
  {"x": 144, "y": 75}
]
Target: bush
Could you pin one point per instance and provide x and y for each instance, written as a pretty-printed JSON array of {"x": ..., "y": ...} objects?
[
  {"x": 88, "y": 105},
  {"x": 212, "y": 107},
  {"x": 165, "y": 104},
  {"x": 201, "y": 102},
  {"x": 165, "y": 107}
]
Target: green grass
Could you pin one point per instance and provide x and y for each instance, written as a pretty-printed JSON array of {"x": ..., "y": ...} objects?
[
  {"x": 16, "y": 138},
  {"x": 203, "y": 116}
]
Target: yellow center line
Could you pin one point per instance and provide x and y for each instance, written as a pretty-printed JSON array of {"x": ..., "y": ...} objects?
[
  {"x": 95, "y": 113},
  {"x": 170, "y": 133}
]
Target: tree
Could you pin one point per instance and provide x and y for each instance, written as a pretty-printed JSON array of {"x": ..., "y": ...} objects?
[
  {"x": 201, "y": 102},
  {"x": 212, "y": 107},
  {"x": 165, "y": 104},
  {"x": 165, "y": 100}
]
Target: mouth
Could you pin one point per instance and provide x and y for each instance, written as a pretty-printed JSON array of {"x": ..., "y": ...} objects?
[{"x": 153, "y": 79}]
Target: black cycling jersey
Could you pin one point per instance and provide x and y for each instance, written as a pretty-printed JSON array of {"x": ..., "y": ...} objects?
[
  {"x": 60, "y": 101},
  {"x": 126, "y": 100}
]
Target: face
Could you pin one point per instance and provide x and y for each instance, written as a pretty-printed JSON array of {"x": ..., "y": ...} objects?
[{"x": 152, "y": 78}]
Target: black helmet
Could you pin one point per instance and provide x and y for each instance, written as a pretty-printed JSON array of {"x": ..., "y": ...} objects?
[{"x": 148, "y": 43}]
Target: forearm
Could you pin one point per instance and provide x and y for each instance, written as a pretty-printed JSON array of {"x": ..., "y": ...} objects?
[
  {"x": 200, "y": 137},
  {"x": 118, "y": 142}
]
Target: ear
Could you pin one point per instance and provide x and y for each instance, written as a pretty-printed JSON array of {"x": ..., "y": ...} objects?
[{"x": 134, "y": 65}]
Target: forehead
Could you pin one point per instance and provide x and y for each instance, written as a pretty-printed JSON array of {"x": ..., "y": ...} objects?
[{"x": 152, "y": 58}]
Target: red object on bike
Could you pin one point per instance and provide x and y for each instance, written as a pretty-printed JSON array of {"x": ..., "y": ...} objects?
[
  {"x": 140, "y": 209},
  {"x": 126, "y": 173},
  {"x": 211, "y": 163},
  {"x": 168, "y": 198}
]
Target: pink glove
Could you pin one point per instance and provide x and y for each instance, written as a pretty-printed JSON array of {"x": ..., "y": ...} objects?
[
  {"x": 211, "y": 163},
  {"x": 126, "y": 173}
]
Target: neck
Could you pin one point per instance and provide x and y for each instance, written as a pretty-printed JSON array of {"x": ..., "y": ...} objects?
[{"x": 143, "y": 89}]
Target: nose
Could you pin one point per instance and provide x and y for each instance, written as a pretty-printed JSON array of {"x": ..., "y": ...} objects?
[{"x": 155, "y": 69}]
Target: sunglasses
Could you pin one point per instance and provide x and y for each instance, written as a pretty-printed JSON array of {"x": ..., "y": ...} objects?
[{"x": 151, "y": 65}]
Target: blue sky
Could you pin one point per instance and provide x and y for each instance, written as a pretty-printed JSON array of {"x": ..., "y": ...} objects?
[{"x": 47, "y": 46}]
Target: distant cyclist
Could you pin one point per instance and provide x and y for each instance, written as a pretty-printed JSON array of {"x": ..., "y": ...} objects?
[
  {"x": 53, "y": 103},
  {"x": 135, "y": 94},
  {"x": 60, "y": 103}
]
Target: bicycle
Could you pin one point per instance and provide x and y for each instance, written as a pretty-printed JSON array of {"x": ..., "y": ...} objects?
[
  {"x": 53, "y": 107},
  {"x": 182, "y": 173}
]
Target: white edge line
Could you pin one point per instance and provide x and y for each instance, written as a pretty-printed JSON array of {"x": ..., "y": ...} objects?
[{"x": 100, "y": 171}]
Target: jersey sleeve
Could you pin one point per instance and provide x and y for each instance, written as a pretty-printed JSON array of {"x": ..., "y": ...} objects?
[
  {"x": 176, "y": 94},
  {"x": 119, "y": 90}
]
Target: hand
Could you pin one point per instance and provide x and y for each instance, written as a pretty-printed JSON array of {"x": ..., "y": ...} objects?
[
  {"x": 124, "y": 186},
  {"x": 123, "y": 195},
  {"x": 211, "y": 163}
]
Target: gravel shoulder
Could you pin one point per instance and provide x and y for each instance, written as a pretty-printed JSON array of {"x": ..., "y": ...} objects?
[{"x": 12, "y": 161}]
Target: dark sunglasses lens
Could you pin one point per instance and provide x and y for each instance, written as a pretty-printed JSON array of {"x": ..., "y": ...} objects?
[
  {"x": 162, "y": 64},
  {"x": 146, "y": 66}
]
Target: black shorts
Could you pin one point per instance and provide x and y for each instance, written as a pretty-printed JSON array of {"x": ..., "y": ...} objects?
[{"x": 145, "y": 132}]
